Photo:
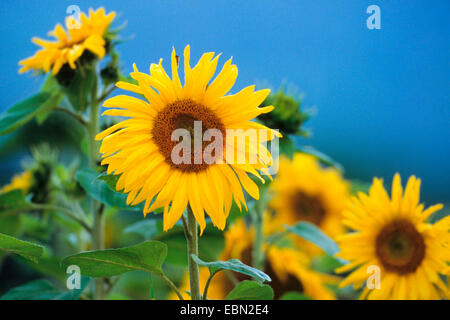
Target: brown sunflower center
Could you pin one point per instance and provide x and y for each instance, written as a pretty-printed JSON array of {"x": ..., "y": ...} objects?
[
  {"x": 308, "y": 208},
  {"x": 195, "y": 119},
  {"x": 279, "y": 286},
  {"x": 400, "y": 247}
]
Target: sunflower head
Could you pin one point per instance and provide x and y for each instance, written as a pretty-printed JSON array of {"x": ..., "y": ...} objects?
[
  {"x": 83, "y": 41},
  {"x": 155, "y": 167},
  {"x": 37, "y": 174},
  {"x": 392, "y": 233},
  {"x": 305, "y": 191}
]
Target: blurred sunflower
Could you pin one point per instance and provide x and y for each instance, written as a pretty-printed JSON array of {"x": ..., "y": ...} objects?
[
  {"x": 288, "y": 268},
  {"x": 304, "y": 191},
  {"x": 20, "y": 181},
  {"x": 86, "y": 35},
  {"x": 37, "y": 174},
  {"x": 140, "y": 148},
  {"x": 393, "y": 234}
]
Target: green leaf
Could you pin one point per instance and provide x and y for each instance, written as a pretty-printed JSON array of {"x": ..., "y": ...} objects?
[
  {"x": 233, "y": 265},
  {"x": 100, "y": 191},
  {"x": 25, "y": 249},
  {"x": 251, "y": 290},
  {"x": 292, "y": 295},
  {"x": 80, "y": 88},
  {"x": 110, "y": 179},
  {"x": 13, "y": 200},
  {"x": 22, "y": 112},
  {"x": 44, "y": 290},
  {"x": 313, "y": 234},
  {"x": 147, "y": 228},
  {"x": 49, "y": 265},
  {"x": 36, "y": 228},
  {"x": 147, "y": 256},
  {"x": 50, "y": 84},
  {"x": 46, "y": 108},
  {"x": 10, "y": 224},
  {"x": 325, "y": 263}
]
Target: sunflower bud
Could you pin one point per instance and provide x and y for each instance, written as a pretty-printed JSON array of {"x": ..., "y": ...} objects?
[
  {"x": 287, "y": 116},
  {"x": 41, "y": 167}
]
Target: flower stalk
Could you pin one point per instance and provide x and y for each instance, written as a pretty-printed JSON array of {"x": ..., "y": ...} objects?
[
  {"x": 98, "y": 225},
  {"x": 192, "y": 248},
  {"x": 258, "y": 222}
]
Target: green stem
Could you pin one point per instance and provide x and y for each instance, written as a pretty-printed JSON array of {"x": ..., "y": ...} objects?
[
  {"x": 172, "y": 286},
  {"x": 208, "y": 282},
  {"x": 258, "y": 222},
  {"x": 98, "y": 225},
  {"x": 192, "y": 247},
  {"x": 257, "y": 253},
  {"x": 77, "y": 117}
]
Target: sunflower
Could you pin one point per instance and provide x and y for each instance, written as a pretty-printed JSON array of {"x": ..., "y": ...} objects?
[
  {"x": 140, "y": 149},
  {"x": 21, "y": 181},
  {"x": 394, "y": 235},
  {"x": 288, "y": 268},
  {"x": 87, "y": 35},
  {"x": 304, "y": 191}
]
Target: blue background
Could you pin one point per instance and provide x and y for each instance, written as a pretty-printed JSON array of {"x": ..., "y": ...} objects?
[{"x": 382, "y": 96}]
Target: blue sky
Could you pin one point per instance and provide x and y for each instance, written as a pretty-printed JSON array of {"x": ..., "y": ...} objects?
[{"x": 382, "y": 96}]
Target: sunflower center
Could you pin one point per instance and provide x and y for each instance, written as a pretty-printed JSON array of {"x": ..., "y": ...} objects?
[
  {"x": 195, "y": 119},
  {"x": 308, "y": 208},
  {"x": 279, "y": 286},
  {"x": 400, "y": 247}
]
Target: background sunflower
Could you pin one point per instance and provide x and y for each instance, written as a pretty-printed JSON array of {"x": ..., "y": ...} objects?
[
  {"x": 86, "y": 36},
  {"x": 393, "y": 233},
  {"x": 305, "y": 191}
]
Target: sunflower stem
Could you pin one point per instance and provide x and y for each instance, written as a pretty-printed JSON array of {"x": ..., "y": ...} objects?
[
  {"x": 258, "y": 222},
  {"x": 192, "y": 248},
  {"x": 98, "y": 226},
  {"x": 172, "y": 286},
  {"x": 208, "y": 282}
]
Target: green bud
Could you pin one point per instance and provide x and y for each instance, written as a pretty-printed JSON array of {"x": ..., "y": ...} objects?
[{"x": 287, "y": 116}]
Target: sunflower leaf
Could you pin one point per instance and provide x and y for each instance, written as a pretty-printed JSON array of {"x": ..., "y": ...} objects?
[
  {"x": 80, "y": 87},
  {"x": 251, "y": 290},
  {"x": 44, "y": 290},
  {"x": 22, "y": 248},
  {"x": 147, "y": 228},
  {"x": 313, "y": 234},
  {"x": 293, "y": 295},
  {"x": 147, "y": 256},
  {"x": 22, "y": 112},
  {"x": 100, "y": 191},
  {"x": 233, "y": 265},
  {"x": 44, "y": 111},
  {"x": 13, "y": 200},
  {"x": 110, "y": 179}
]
